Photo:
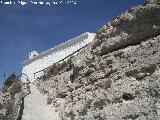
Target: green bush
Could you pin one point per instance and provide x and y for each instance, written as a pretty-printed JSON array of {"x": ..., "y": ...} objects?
[
  {"x": 9, "y": 81},
  {"x": 13, "y": 83}
]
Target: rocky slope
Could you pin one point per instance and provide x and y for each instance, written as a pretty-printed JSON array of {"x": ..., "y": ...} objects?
[
  {"x": 117, "y": 77},
  {"x": 35, "y": 107},
  {"x": 9, "y": 95}
]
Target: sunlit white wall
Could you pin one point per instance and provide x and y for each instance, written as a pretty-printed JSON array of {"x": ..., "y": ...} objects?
[{"x": 53, "y": 55}]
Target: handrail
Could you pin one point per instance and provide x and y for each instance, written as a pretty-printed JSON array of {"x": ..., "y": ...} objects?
[
  {"x": 61, "y": 59},
  {"x": 21, "y": 75}
]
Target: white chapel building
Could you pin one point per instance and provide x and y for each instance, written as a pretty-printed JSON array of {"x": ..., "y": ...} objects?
[{"x": 36, "y": 64}]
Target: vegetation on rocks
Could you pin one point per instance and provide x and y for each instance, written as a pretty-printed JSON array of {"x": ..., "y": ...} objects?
[
  {"x": 117, "y": 76},
  {"x": 10, "y": 92}
]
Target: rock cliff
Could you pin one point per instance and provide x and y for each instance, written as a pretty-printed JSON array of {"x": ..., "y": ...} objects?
[
  {"x": 9, "y": 95},
  {"x": 116, "y": 77}
]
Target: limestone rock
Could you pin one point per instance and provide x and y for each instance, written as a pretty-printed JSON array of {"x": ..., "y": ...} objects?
[
  {"x": 117, "y": 77},
  {"x": 128, "y": 29},
  {"x": 152, "y": 1}
]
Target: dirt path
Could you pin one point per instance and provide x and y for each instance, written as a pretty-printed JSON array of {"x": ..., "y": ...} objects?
[{"x": 35, "y": 107}]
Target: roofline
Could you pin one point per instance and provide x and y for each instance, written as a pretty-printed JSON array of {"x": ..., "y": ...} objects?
[{"x": 52, "y": 49}]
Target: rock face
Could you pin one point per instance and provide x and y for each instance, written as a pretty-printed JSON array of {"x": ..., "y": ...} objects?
[
  {"x": 116, "y": 77},
  {"x": 9, "y": 96},
  {"x": 130, "y": 28},
  {"x": 152, "y": 1}
]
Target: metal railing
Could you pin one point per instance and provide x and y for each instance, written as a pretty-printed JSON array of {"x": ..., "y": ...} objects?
[{"x": 46, "y": 69}]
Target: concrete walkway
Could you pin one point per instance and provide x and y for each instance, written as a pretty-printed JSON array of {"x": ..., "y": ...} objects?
[{"x": 36, "y": 108}]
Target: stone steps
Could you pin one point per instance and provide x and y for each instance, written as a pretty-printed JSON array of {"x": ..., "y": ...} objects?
[{"x": 36, "y": 108}]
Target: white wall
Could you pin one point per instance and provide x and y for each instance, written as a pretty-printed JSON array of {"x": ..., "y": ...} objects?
[{"x": 53, "y": 55}]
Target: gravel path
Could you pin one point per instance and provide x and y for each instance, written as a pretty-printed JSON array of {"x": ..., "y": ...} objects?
[{"x": 35, "y": 107}]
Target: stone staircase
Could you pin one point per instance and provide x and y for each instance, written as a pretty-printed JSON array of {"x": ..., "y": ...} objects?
[{"x": 36, "y": 108}]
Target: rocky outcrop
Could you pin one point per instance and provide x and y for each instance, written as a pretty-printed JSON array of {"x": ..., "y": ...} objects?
[
  {"x": 131, "y": 28},
  {"x": 9, "y": 95},
  {"x": 117, "y": 77},
  {"x": 152, "y": 1}
]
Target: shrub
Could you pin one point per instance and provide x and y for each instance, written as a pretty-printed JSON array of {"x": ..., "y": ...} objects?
[
  {"x": 44, "y": 77},
  {"x": 9, "y": 81},
  {"x": 13, "y": 84},
  {"x": 53, "y": 70},
  {"x": 69, "y": 66}
]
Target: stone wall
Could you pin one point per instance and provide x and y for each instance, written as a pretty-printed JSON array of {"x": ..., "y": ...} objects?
[{"x": 34, "y": 67}]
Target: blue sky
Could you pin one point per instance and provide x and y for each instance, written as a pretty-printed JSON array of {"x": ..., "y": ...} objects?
[{"x": 38, "y": 27}]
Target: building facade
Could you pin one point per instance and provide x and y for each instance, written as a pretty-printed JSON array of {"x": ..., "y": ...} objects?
[{"x": 36, "y": 64}]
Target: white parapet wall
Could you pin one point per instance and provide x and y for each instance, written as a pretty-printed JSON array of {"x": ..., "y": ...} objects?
[{"x": 34, "y": 66}]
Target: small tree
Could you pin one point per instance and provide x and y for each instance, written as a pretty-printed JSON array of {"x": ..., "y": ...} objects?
[
  {"x": 9, "y": 81},
  {"x": 13, "y": 83}
]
